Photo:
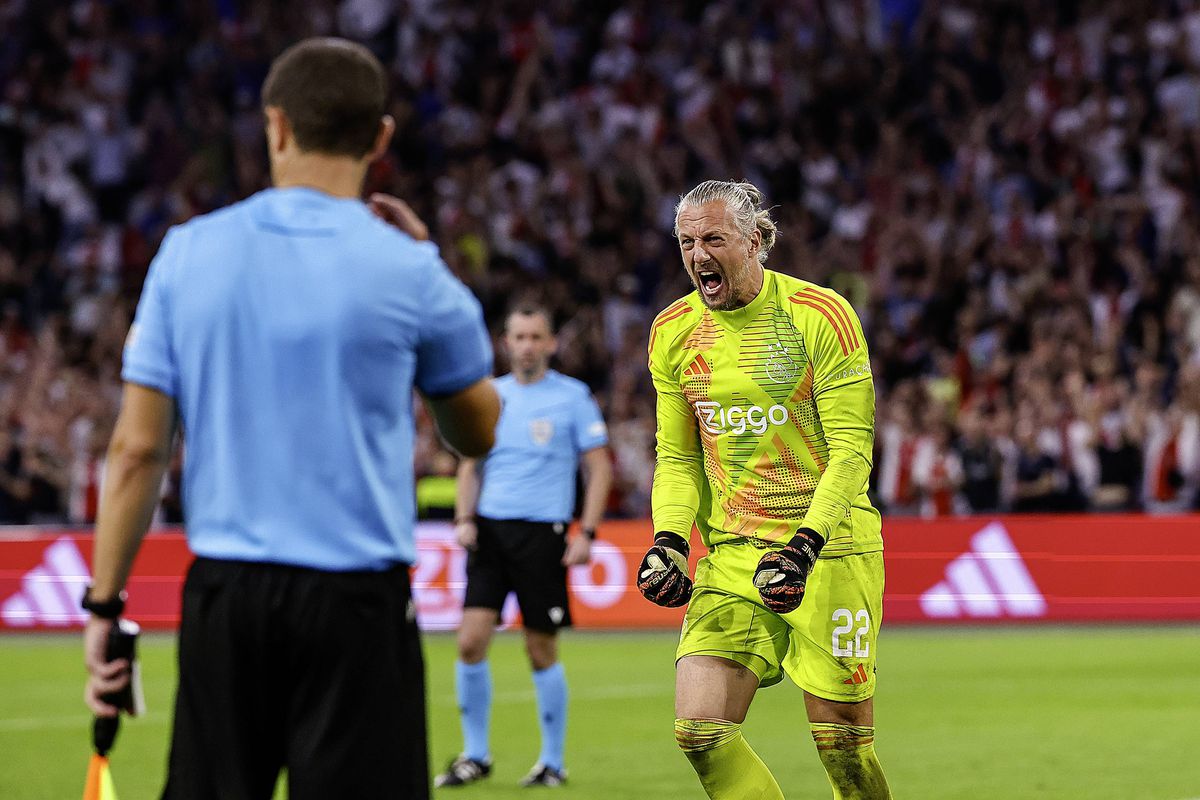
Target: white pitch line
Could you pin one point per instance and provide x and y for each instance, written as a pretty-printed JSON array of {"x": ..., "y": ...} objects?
[
  {"x": 631, "y": 691},
  {"x": 515, "y": 697},
  {"x": 73, "y": 721}
]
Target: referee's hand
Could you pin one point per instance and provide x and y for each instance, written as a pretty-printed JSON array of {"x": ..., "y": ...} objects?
[
  {"x": 467, "y": 534},
  {"x": 104, "y": 677},
  {"x": 398, "y": 214},
  {"x": 579, "y": 551}
]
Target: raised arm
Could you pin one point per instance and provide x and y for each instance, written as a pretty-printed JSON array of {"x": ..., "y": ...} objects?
[{"x": 467, "y": 419}]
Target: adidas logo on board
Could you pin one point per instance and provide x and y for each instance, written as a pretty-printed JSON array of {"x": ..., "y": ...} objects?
[
  {"x": 989, "y": 580},
  {"x": 50, "y": 592}
]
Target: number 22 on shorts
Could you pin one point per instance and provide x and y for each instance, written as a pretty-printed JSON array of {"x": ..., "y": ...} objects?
[{"x": 859, "y": 646}]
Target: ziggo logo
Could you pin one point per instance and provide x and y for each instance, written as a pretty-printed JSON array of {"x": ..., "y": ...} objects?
[{"x": 716, "y": 419}]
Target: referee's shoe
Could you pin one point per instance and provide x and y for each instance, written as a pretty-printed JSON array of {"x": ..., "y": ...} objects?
[
  {"x": 541, "y": 775},
  {"x": 462, "y": 771}
]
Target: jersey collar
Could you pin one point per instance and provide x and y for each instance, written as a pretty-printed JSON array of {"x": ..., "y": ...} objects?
[{"x": 740, "y": 317}]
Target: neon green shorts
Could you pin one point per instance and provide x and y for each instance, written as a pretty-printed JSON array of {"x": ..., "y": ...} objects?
[{"x": 827, "y": 646}]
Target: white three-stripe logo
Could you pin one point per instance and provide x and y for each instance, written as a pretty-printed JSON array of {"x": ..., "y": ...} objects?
[
  {"x": 990, "y": 580},
  {"x": 50, "y": 593}
]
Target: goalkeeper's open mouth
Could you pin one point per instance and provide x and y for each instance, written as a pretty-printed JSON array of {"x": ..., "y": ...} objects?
[{"x": 710, "y": 282}]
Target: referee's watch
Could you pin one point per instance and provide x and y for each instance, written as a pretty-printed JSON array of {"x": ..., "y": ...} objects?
[
  {"x": 105, "y": 609},
  {"x": 589, "y": 534}
]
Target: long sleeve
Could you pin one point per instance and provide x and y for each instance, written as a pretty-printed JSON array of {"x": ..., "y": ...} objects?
[
  {"x": 848, "y": 415},
  {"x": 845, "y": 398},
  {"x": 679, "y": 471}
]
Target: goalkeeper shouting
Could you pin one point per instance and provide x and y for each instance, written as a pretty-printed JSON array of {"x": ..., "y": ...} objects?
[{"x": 766, "y": 412}]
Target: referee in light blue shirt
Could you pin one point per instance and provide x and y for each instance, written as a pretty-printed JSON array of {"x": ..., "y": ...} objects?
[
  {"x": 511, "y": 514},
  {"x": 285, "y": 335}
]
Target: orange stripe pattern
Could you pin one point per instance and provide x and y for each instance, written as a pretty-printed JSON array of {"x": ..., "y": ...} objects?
[
  {"x": 671, "y": 312},
  {"x": 829, "y": 736},
  {"x": 698, "y": 367},
  {"x": 834, "y": 313}
]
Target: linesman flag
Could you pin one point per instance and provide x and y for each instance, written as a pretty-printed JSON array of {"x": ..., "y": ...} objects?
[{"x": 99, "y": 785}]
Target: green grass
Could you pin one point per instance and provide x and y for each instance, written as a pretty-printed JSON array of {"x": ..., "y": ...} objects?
[{"x": 998, "y": 714}]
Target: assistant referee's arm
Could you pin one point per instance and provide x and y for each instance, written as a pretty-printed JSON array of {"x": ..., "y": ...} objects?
[
  {"x": 467, "y": 419},
  {"x": 466, "y": 491},
  {"x": 137, "y": 459},
  {"x": 597, "y": 481}
]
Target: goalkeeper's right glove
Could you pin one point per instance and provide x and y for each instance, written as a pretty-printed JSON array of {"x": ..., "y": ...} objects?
[{"x": 663, "y": 575}]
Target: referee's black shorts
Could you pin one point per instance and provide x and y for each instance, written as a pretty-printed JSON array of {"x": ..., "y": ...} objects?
[
  {"x": 318, "y": 672},
  {"x": 523, "y": 557}
]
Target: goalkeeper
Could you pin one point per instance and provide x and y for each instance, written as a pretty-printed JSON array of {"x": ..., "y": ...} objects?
[{"x": 766, "y": 412}]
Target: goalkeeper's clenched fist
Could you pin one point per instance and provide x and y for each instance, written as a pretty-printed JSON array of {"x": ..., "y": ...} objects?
[
  {"x": 663, "y": 575},
  {"x": 781, "y": 574}
]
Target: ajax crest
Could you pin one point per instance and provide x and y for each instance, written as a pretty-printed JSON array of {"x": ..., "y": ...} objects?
[{"x": 780, "y": 366}]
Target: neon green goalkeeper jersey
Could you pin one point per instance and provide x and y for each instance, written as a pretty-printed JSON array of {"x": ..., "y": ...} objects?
[{"x": 766, "y": 419}]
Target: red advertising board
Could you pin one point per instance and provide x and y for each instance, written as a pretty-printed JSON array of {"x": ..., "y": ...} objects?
[{"x": 1002, "y": 569}]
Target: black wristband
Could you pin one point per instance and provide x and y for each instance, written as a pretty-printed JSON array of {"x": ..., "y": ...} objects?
[
  {"x": 807, "y": 541},
  {"x": 673, "y": 541},
  {"x": 105, "y": 609},
  {"x": 589, "y": 534}
]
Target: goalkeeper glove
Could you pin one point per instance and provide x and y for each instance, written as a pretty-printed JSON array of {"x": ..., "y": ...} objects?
[
  {"x": 663, "y": 575},
  {"x": 781, "y": 574}
]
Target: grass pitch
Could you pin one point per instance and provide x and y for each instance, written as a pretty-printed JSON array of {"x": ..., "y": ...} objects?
[{"x": 985, "y": 714}]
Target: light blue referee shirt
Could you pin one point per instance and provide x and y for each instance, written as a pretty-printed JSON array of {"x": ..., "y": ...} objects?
[
  {"x": 290, "y": 329},
  {"x": 543, "y": 429}
]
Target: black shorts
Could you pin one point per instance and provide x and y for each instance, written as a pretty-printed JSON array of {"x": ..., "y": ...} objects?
[
  {"x": 318, "y": 672},
  {"x": 526, "y": 558}
]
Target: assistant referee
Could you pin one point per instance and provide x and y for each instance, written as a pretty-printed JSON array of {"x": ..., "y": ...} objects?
[
  {"x": 285, "y": 335},
  {"x": 511, "y": 514}
]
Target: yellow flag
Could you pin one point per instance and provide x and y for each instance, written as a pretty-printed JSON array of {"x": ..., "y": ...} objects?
[{"x": 99, "y": 785}]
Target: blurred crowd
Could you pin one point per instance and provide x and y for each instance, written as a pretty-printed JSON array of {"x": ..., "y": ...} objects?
[{"x": 1005, "y": 191}]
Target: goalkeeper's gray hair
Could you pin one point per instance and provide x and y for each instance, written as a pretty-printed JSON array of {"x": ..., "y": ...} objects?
[{"x": 744, "y": 200}]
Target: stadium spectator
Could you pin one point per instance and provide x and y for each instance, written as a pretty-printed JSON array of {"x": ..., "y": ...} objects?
[
  {"x": 511, "y": 514},
  {"x": 982, "y": 463},
  {"x": 938, "y": 474},
  {"x": 284, "y": 335},
  {"x": 1039, "y": 478},
  {"x": 977, "y": 178},
  {"x": 899, "y": 442},
  {"x": 1120, "y": 432}
]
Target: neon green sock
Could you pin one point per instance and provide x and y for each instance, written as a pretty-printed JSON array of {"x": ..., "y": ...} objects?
[
  {"x": 848, "y": 753},
  {"x": 728, "y": 768}
]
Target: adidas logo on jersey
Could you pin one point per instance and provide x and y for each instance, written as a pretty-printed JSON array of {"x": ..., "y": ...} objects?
[
  {"x": 50, "y": 592},
  {"x": 989, "y": 581},
  {"x": 858, "y": 676},
  {"x": 716, "y": 419}
]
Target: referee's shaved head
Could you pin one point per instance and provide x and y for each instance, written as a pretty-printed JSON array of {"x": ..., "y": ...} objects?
[{"x": 333, "y": 93}]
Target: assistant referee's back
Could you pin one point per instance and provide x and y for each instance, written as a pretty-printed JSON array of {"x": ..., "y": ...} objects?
[{"x": 291, "y": 329}]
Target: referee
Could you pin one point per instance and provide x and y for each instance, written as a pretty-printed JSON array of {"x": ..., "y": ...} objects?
[
  {"x": 285, "y": 335},
  {"x": 511, "y": 514}
]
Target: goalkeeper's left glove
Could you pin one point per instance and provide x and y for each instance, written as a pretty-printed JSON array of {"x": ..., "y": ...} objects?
[{"x": 781, "y": 574}]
